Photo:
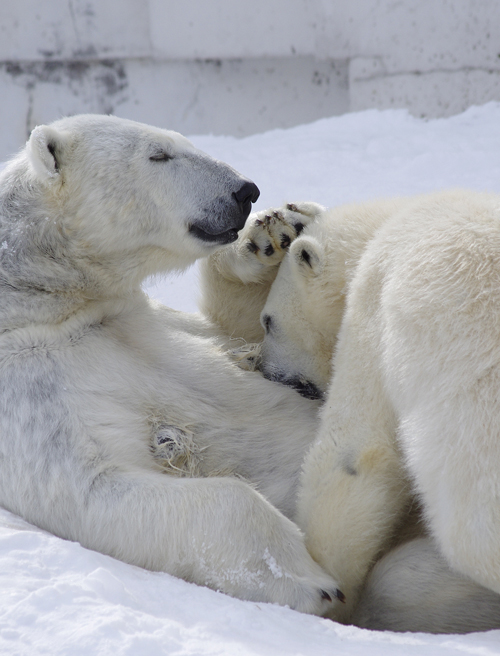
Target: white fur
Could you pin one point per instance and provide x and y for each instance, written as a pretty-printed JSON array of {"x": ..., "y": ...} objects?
[
  {"x": 95, "y": 379},
  {"x": 413, "y": 589},
  {"x": 406, "y": 292}
]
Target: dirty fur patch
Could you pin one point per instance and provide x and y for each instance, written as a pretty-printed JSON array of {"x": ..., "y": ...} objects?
[{"x": 174, "y": 448}]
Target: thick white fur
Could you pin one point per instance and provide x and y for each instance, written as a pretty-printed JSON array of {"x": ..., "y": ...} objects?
[
  {"x": 412, "y": 588},
  {"x": 407, "y": 293},
  {"x": 95, "y": 377}
]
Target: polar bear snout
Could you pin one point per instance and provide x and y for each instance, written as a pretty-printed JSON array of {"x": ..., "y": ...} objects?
[
  {"x": 227, "y": 216},
  {"x": 245, "y": 196}
]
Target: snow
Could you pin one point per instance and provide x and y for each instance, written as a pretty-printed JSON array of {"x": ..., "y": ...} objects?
[{"x": 58, "y": 598}]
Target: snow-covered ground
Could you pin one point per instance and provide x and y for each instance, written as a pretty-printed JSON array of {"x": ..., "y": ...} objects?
[{"x": 58, "y": 598}]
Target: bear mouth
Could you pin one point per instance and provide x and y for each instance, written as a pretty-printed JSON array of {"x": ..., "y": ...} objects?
[
  {"x": 304, "y": 387},
  {"x": 226, "y": 237}
]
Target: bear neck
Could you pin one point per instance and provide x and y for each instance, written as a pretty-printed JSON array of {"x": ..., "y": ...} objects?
[{"x": 43, "y": 277}]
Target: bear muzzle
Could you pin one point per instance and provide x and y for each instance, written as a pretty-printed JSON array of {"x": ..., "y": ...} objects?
[{"x": 222, "y": 224}]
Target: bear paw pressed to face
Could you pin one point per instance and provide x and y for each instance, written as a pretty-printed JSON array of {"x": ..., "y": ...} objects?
[
  {"x": 266, "y": 237},
  {"x": 272, "y": 231},
  {"x": 236, "y": 280}
]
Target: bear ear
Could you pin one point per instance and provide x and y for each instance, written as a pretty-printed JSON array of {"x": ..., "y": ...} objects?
[
  {"x": 44, "y": 148},
  {"x": 308, "y": 256}
]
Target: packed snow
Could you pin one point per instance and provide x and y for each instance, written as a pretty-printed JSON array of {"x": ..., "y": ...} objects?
[{"x": 58, "y": 598}]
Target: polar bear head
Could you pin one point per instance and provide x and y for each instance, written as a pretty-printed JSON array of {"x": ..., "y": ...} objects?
[
  {"x": 123, "y": 196},
  {"x": 302, "y": 316}
]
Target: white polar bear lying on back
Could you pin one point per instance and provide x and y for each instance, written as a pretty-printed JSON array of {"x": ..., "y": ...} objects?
[
  {"x": 106, "y": 397},
  {"x": 407, "y": 294}
]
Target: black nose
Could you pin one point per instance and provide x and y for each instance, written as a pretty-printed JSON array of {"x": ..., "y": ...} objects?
[{"x": 248, "y": 193}]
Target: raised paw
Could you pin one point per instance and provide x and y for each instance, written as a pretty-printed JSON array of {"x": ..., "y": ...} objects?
[
  {"x": 262, "y": 244},
  {"x": 268, "y": 234}
]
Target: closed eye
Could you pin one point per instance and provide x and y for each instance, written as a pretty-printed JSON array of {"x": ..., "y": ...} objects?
[{"x": 160, "y": 157}]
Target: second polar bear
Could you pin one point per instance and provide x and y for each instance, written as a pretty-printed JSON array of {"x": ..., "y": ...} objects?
[{"x": 406, "y": 292}]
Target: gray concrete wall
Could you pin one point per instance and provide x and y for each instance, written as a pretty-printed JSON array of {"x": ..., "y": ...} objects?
[{"x": 239, "y": 67}]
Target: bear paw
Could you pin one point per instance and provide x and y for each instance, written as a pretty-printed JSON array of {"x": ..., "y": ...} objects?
[
  {"x": 265, "y": 239},
  {"x": 269, "y": 233}
]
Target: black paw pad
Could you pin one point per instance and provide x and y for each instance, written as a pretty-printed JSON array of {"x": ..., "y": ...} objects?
[
  {"x": 285, "y": 241},
  {"x": 252, "y": 247},
  {"x": 269, "y": 250},
  {"x": 298, "y": 227}
]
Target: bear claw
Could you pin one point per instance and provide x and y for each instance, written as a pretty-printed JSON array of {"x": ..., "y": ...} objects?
[
  {"x": 340, "y": 595},
  {"x": 336, "y": 593}
]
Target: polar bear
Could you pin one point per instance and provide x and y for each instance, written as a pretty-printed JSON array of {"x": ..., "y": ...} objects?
[
  {"x": 124, "y": 425},
  {"x": 412, "y": 588},
  {"x": 405, "y": 294}
]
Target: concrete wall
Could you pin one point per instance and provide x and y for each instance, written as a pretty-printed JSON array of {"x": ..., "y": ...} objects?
[{"x": 238, "y": 67}]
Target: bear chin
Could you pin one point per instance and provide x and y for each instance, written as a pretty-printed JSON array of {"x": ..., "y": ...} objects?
[
  {"x": 304, "y": 387},
  {"x": 226, "y": 237}
]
